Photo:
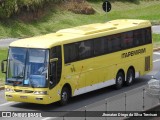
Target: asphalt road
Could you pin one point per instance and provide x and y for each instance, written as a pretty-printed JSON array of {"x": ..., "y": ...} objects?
[
  {"x": 6, "y": 42},
  {"x": 156, "y": 29},
  {"x": 79, "y": 101}
]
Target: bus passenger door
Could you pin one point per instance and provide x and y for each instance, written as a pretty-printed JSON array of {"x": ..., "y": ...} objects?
[{"x": 55, "y": 66}]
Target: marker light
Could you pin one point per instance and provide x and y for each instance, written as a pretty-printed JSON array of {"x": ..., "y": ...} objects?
[
  {"x": 9, "y": 90},
  {"x": 40, "y": 92}
]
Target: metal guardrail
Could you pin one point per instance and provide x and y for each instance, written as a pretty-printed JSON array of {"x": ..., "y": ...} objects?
[{"x": 138, "y": 99}]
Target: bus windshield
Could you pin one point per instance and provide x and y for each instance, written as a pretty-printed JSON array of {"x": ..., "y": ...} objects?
[{"x": 27, "y": 67}]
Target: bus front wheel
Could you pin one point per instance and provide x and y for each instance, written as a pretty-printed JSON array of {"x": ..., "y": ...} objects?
[
  {"x": 119, "y": 80},
  {"x": 64, "y": 96}
]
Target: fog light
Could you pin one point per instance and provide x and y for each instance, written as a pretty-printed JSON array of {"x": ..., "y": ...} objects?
[
  {"x": 9, "y": 96},
  {"x": 39, "y": 98},
  {"x": 9, "y": 90}
]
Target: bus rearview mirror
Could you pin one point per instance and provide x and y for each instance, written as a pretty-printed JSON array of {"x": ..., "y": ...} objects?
[{"x": 3, "y": 66}]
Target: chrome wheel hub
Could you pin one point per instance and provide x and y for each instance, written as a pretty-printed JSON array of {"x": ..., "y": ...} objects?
[
  {"x": 64, "y": 96},
  {"x": 120, "y": 80}
]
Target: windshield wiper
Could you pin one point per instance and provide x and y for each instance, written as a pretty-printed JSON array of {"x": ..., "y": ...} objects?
[
  {"x": 31, "y": 83},
  {"x": 16, "y": 83},
  {"x": 17, "y": 80},
  {"x": 18, "y": 77}
]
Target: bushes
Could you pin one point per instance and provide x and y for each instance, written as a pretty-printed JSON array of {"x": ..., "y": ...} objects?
[
  {"x": 80, "y": 7},
  {"x": 10, "y": 7},
  {"x": 113, "y": 0},
  {"x": 7, "y": 8}
]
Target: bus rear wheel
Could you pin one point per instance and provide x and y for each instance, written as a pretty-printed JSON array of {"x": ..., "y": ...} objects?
[
  {"x": 130, "y": 77},
  {"x": 119, "y": 80},
  {"x": 65, "y": 95}
]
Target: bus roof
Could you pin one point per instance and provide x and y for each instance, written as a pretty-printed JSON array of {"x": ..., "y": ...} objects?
[{"x": 81, "y": 33}]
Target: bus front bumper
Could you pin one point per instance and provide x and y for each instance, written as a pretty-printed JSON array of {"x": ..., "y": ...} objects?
[{"x": 28, "y": 98}]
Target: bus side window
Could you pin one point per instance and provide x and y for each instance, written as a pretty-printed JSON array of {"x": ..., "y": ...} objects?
[
  {"x": 70, "y": 52},
  {"x": 100, "y": 46},
  {"x": 148, "y": 35},
  {"x": 142, "y": 36},
  {"x": 110, "y": 46},
  {"x": 136, "y": 38},
  {"x": 114, "y": 43},
  {"x": 139, "y": 37},
  {"x": 127, "y": 40},
  {"x": 85, "y": 49},
  {"x": 55, "y": 67}
]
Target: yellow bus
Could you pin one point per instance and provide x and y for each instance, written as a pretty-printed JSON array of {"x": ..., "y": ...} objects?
[{"x": 73, "y": 61}]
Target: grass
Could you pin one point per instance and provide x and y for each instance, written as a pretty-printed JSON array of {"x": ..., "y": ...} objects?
[
  {"x": 156, "y": 40},
  {"x": 3, "y": 56},
  {"x": 56, "y": 19}
]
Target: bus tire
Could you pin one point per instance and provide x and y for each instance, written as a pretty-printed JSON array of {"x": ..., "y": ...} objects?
[
  {"x": 119, "y": 80},
  {"x": 65, "y": 95},
  {"x": 130, "y": 77}
]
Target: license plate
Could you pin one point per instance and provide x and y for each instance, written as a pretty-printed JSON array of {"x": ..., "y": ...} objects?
[{"x": 24, "y": 97}]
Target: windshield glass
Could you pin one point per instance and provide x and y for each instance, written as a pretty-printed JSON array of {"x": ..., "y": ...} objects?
[
  {"x": 28, "y": 67},
  {"x": 36, "y": 68},
  {"x": 16, "y": 65}
]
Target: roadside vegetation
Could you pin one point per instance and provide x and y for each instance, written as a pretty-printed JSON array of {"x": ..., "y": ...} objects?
[
  {"x": 3, "y": 56},
  {"x": 59, "y": 16},
  {"x": 156, "y": 40}
]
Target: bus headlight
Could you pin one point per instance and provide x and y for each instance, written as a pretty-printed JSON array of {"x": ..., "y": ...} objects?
[
  {"x": 40, "y": 92},
  {"x": 9, "y": 90}
]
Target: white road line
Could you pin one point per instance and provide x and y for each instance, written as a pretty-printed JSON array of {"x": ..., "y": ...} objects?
[
  {"x": 156, "y": 53},
  {"x": 156, "y": 60},
  {"x": 6, "y": 103},
  {"x": 48, "y": 118}
]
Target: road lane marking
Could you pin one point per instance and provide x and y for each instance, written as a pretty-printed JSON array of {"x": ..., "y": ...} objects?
[
  {"x": 48, "y": 118},
  {"x": 156, "y": 60},
  {"x": 6, "y": 103},
  {"x": 156, "y": 53}
]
